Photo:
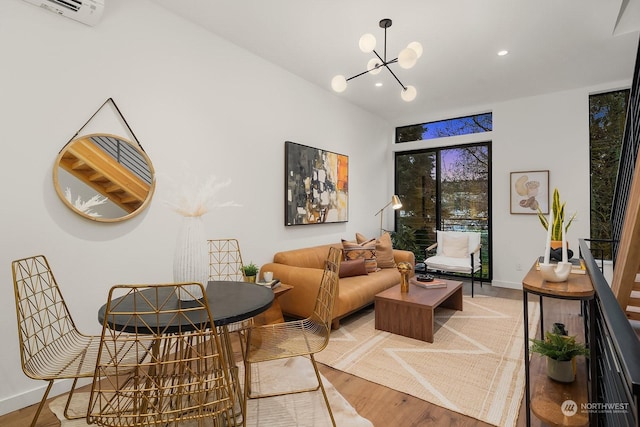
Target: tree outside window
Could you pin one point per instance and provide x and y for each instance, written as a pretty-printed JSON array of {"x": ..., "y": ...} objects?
[{"x": 607, "y": 115}]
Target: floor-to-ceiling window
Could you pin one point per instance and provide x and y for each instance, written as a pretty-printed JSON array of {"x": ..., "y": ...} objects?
[
  {"x": 607, "y": 115},
  {"x": 444, "y": 188}
]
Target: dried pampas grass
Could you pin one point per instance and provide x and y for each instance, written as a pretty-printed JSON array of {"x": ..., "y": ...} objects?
[{"x": 192, "y": 197}]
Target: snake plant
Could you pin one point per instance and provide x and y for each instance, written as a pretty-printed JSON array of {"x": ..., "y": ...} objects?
[{"x": 557, "y": 209}]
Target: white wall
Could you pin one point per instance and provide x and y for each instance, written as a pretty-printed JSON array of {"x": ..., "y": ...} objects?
[
  {"x": 191, "y": 97},
  {"x": 188, "y": 96},
  {"x": 548, "y": 132}
]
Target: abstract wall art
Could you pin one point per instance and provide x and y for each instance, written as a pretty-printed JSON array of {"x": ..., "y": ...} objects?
[
  {"x": 529, "y": 192},
  {"x": 316, "y": 185}
]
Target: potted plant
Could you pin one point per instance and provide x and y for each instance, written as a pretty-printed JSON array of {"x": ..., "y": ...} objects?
[
  {"x": 557, "y": 210},
  {"x": 404, "y": 238},
  {"x": 250, "y": 271},
  {"x": 560, "y": 351}
]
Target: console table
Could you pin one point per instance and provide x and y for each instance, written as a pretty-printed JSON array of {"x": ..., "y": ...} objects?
[{"x": 549, "y": 395}]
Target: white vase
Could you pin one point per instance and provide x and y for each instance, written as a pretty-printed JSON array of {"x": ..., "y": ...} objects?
[{"x": 190, "y": 262}]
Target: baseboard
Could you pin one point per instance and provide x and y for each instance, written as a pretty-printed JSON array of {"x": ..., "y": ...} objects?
[
  {"x": 510, "y": 285},
  {"x": 34, "y": 396}
]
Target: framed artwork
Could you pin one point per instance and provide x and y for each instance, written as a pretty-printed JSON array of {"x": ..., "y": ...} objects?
[
  {"x": 529, "y": 190},
  {"x": 316, "y": 185}
]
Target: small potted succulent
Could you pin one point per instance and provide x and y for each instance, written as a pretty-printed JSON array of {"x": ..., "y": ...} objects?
[
  {"x": 560, "y": 350},
  {"x": 250, "y": 272}
]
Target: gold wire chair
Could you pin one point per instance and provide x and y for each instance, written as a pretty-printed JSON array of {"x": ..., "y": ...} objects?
[
  {"x": 296, "y": 338},
  {"x": 225, "y": 263},
  {"x": 51, "y": 347},
  {"x": 225, "y": 260},
  {"x": 181, "y": 377}
]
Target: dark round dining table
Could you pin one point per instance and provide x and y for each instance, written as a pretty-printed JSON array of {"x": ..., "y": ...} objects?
[{"x": 229, "y": 302}]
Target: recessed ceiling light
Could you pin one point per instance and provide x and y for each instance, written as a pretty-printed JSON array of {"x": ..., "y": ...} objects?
[
  {"x": 503, "y": 52},
  {"x": 378, "y": 84}
]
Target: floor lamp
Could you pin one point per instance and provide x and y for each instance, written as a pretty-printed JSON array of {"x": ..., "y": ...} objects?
[{"x": 395, "y": 204}]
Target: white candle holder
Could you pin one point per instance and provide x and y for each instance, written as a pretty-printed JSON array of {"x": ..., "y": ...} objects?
[{"x": 555, "y": 272}]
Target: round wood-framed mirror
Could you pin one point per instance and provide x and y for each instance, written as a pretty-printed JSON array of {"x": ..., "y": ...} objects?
[{"x": 104, "y": 177}]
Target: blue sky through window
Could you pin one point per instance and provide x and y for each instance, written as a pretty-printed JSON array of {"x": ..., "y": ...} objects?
[
  {"x": 443, "y": 128},
  {"x": 458, "y": 126}
]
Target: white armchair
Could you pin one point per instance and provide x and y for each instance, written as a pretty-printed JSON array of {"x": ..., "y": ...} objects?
[{"x": 456, "y": 252}]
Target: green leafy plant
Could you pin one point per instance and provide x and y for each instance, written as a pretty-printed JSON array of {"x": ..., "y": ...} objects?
[
  {"x": 250, "y": 269},
  {"x": 404, "y": 238},
  {"x": 559, "y": 347},
  {"x": 557, "y": 210}
]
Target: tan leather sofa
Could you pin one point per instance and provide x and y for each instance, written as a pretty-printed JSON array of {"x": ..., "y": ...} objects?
[{"x": 303, "y": 268}]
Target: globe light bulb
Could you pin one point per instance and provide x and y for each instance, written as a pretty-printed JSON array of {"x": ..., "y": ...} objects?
[
  {"x": 409, "y": 94},
  {"x": 371, "y": 65},
  {"x": 339, "y": 83},
  {"x": 417, "y": 47},
  {"x": 367, "y": 43},
  {"x": 407, "y": 58}
]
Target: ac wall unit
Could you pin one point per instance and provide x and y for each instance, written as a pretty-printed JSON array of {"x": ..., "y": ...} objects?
[{"x": 86, "y": 11}]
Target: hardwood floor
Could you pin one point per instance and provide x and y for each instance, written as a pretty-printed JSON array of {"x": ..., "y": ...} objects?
[{"x": 381, "y": 405}]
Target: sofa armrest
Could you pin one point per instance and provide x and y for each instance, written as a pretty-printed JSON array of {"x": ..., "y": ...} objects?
[
  {"x": 400, "y": 255},
  {"x": 299, "y": 301}
]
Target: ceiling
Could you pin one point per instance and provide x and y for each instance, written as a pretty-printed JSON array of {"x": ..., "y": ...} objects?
[{"x": 553, "y": 45}]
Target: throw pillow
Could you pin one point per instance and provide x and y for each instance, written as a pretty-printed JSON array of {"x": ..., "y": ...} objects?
[
  {"x": 455, "y": 246},
  {"x": 353, "y": 267},
  {"x": 366, "y": 250},
  {"x": 384, "y": 250}
]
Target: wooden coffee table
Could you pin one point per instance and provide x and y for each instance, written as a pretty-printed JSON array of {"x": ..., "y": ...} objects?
[{"x": 411, "y": 314}]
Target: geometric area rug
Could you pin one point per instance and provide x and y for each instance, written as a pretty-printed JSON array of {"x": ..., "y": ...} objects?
[
  {"x": 302, "y": 409},
  {"x": 474, "y": 366}
]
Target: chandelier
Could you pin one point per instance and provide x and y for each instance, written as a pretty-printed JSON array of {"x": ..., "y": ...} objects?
[{"x": 406, "y": 59}]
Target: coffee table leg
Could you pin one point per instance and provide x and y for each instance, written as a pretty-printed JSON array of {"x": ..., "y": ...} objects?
[
  {"x": 454, "y": 302},
  {"x": 429, "y": 325}
]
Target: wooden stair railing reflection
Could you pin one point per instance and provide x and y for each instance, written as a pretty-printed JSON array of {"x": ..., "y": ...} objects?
[
  {"x": 90, "y": 164},
  {"x": 625, "y": 284},
  {"x": 296, "y": 338}
]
